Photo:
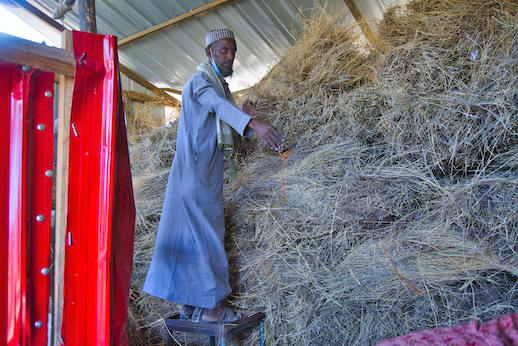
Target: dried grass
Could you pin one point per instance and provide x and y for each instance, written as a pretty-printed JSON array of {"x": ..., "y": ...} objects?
[
  {"x": 139, "y": 117},
  {"x": 400, "y": 192}
]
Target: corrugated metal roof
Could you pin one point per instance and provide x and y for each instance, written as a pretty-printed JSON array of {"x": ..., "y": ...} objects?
[{"x": 264, "y": 29}]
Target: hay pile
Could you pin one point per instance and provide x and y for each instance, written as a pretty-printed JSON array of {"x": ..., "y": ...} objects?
[{"x": 396, "y": 209}]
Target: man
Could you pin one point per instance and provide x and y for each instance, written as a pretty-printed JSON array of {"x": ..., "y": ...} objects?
[{"x": 189, "y": 264}]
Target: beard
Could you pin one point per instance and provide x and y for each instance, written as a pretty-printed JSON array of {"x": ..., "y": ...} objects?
[{"x": 225, "y": 68}]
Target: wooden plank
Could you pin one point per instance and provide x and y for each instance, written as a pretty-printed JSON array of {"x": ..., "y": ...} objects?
[
  {"x": 145, "y": 98},
  {"x": 181, "y": 19},
  {"x": 140, "y": 80},
  {"x": 357, "y": 14},
  {"x": 66, "y": 88},
  {"x": 38, "y": 56},
  {"x": 174, "y": 91}
]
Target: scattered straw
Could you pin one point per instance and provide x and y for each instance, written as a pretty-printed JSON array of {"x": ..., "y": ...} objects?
[
  {"x": 284, "y": 156},
  {"x": 395, "y": 270}
]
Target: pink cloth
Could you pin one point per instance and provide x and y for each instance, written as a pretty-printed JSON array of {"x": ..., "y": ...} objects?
[{"x": 502, "y": 331}]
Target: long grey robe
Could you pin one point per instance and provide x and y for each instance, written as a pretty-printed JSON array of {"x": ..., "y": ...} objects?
[{"x": 189, "y": 264}]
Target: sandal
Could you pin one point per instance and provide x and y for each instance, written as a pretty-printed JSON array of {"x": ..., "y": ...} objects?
[
  {"x": 229, "y": 316},
  {"x": 185, "y": 316}
]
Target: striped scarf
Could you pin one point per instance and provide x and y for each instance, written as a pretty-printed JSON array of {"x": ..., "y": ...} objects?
[{"x": 228, "y": 138}]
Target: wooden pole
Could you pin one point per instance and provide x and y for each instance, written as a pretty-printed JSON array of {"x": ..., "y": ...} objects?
[
  {"x": 66, "y": 87},
  {"x": 87, "y": 21}
]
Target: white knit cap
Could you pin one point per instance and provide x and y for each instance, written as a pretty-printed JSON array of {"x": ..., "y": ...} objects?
[{"x": 218, "y": 34}]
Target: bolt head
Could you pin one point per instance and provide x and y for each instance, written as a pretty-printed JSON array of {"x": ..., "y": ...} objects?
[
  {"x": 26, "y": 68},
  {"x": 40, "y": 218},
  {"x": 48, "y": 173},
  {"x": 45, "y": 271},
  {"x": 38, "y": 324},
  {"x": 48, "y": 93},
  {"x": 40, "y": 127}
]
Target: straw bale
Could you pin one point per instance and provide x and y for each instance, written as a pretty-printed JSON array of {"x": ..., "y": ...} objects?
[{"x": 395, "y": 210}]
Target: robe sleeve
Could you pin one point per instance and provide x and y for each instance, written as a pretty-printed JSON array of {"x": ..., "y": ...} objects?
[{"x": 207, "y": 95}]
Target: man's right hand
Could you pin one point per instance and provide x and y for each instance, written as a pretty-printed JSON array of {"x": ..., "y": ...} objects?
[
  {"x": 252, "y": 108},
  {"x": 267, "y": 133}
]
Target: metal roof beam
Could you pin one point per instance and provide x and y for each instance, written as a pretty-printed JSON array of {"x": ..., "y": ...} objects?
[
  {"x": 181, "y": 19},
  {"x": 357, "y": 14}
]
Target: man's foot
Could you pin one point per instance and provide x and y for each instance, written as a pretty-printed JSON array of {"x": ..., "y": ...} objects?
[
  {"x": 186, "y": 312},
  {"x": 221, "y": 314}
]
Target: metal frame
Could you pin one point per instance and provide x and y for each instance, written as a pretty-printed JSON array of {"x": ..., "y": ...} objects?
[
  {"x": 221, "y": 331},
  {"x": 94, "y": 201}
]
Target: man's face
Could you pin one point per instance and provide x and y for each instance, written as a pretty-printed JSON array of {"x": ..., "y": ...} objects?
[{"x": 224, "y": 53}]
